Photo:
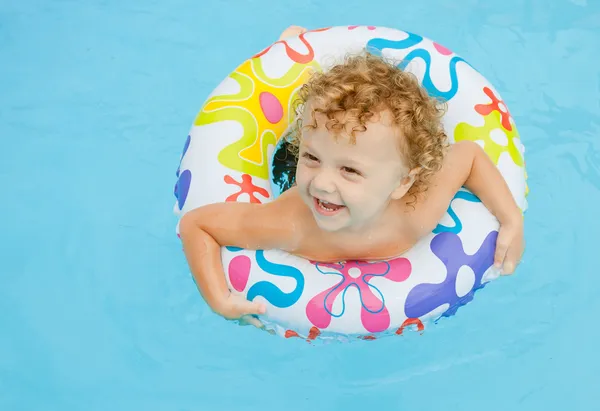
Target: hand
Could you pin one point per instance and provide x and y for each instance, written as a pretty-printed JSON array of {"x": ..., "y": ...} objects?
[
  {"x": 509, "y": 246},
  {"x": 292, "y": 31},
  {"x": 235, "y": 307}
]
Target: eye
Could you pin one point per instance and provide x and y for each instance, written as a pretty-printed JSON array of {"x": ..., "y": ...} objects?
[
  {"x": 350, "y": 170},
  {"x": 309, "y": 157}
]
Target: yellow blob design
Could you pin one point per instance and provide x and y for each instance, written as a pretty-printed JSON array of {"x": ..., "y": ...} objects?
[
  {"x": 464, "y": 131},
  {"x": 263, "y": 107}
]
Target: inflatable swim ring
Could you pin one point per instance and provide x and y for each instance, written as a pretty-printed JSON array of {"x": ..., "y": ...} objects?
[{"x": 234, "y": 153}]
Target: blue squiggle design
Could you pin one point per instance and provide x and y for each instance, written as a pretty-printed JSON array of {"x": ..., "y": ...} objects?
[
  {"x": 270, "y": 291},
  {"x": 427, "y": 82},
  {"x": 463, "y": 195},
  {"x": 376, "y": 46}
]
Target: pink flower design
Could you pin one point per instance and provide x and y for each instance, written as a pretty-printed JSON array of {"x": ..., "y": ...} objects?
[
  {"x": 368, "y": 27},
  {"x": 374, "y": 315},
  {"x": 444, "y": 51}
]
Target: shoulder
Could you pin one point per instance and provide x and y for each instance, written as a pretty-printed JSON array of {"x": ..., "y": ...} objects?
[{"x": 431, "y": 205}]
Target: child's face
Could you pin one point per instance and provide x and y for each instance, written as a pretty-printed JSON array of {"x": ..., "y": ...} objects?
[{"x": 348, "y": 186}]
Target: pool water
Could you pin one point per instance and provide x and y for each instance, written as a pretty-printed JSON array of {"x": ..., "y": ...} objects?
[{"x": 97, "y": 308}]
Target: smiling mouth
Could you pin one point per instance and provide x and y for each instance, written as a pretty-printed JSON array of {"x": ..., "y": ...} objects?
[{"x": 325, "y": 208}]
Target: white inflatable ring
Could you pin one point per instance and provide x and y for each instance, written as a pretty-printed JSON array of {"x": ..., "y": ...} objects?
[{"x": 228, "y": 156}]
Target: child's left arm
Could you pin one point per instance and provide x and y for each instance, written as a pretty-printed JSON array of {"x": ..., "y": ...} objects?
[{"x": 466, "y": 164}]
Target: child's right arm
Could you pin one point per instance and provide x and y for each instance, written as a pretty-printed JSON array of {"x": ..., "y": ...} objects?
[{"x": 206, "y": 229}]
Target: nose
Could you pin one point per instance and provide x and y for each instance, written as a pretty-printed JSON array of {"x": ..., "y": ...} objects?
[{"x": 323, "y": 182}]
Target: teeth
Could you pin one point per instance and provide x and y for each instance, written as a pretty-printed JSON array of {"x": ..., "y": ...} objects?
[{"x": 324, "y": 204}]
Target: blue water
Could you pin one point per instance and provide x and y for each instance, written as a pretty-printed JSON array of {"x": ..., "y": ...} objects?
[{"x": 97, "y": 309}]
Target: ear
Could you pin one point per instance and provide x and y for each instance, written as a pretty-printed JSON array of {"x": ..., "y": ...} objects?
[{"x": 405, "y": 184}]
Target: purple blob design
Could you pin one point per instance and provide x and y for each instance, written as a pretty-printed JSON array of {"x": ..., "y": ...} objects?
[
  {"x": 186, "y": 145},
  {"x": 185, "y": 149},
  {"x": 448, "y": 247},
  {"x": 183, "y": 187}
]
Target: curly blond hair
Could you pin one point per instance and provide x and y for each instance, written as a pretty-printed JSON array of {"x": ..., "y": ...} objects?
[{"x": 365, "y": 85}]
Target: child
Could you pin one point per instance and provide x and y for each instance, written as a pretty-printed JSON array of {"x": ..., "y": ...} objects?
[{"x": 375, "y": 174}]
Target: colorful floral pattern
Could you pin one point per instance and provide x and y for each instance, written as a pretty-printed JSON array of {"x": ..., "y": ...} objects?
[
  {"x": 374, "y": 314},
  {"x": 494, "y": 149},
  {"x": 246, "y": 187},
  {"x": 495, "y": 105},
  {"x": 263, "y": 107},
  {"x": 425, "y": 297},
  {"x": 182, "y": 187},
  {"x": 498, "y": 133},
  {"x": 376, "y": 47},
  {"x": 368, "y": 27},
  {"x": 239, "y": 274},
  {"x": 293, "y": 54}
]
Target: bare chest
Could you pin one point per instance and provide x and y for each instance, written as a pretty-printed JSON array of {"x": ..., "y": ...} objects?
[{"x": 387, "y": 242}]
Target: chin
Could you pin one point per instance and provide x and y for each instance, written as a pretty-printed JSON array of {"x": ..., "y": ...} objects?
[
  {"x": 329, "y": 224},
  {"x": 330, "y": 228}
]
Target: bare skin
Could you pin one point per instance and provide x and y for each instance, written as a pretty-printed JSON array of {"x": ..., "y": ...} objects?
[{"x": 367, "y": 184}]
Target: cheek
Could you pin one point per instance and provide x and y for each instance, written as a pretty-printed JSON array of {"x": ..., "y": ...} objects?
[
  {"x": 368, "y": 195},
  {"x": 302, "y": 175},
  {"x": 356, "y": 195}
]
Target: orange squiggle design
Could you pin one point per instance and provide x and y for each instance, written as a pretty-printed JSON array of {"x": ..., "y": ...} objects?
[
  {"x": 293, "y": 54},
  {"x": 313, "y": 333},
  {"x": 410, "y": 321}
]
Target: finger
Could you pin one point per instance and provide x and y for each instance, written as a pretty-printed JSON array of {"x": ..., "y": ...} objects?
[
  {"x": 501, "y": 250},
  {"x": 255, "y": 308},
  {"x": 251, "y": 320},
  {"x": 245, "y": 307},
  {"x": 512, "y": 259}
]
